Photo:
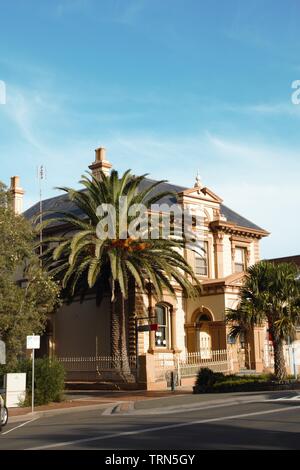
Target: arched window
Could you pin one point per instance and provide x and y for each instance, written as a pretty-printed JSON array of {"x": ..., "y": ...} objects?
[{"x": 162, "y": 335}]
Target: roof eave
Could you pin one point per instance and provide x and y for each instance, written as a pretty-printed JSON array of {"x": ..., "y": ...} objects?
[{"x": 232, "y": 227}]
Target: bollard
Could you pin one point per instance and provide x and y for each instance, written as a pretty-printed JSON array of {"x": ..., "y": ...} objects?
[{"x": 173, "y": 385}]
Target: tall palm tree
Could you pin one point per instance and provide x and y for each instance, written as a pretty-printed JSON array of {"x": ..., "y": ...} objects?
[
  {"x": 81, "y": 257},
  {"x": 271, "y": 293}
]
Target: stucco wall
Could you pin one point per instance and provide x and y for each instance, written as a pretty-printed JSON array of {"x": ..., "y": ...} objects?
[
  {"x": 180, "y": 321},
  {"x": 215, "y": 303},
  {"x": 80, "y": 326},
  {"x": 227, "y": 256}
]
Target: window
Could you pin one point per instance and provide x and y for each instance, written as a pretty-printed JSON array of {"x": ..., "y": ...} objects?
[
  {"x": 204, "y": 336},
  {"x": 240, "y": 260},
  {"x": 201, "y": 260},
  {"x": 162, "y": 333}
]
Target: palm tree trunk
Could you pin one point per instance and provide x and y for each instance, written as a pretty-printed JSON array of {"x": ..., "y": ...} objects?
[
  {"x": 115, "y": 334},
  {"x": 123, "y": 342},
  {"x": 279, "y": 362}
]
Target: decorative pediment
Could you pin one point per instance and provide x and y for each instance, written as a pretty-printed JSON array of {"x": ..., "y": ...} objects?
[
  {"x": 236, "y": 279},
  {"x": 218, "y": 286},
  {"x": 202, "y": 194}
]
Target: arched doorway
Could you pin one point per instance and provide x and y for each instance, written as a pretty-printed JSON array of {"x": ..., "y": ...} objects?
[
  {"x": 200, "y": 332},
  {"x": 203, "y": 336}
]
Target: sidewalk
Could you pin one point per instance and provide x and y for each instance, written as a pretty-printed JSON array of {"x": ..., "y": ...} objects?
[
  {"x": 139, "y": 402},
  {"x": 80, "y": 400}
]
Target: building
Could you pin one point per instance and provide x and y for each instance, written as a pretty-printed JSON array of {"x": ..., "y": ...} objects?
[
  {"x": 287, "y": 259},
  {"x": 186, "y": 326}
]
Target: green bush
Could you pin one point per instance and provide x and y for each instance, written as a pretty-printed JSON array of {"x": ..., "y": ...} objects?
[
  {"x": 49, "y": 380},
  {"x": 216, "y": 382},
  {"x": 239, "y": 384},
  {"x": 206, "y": 378},
  {"x": 209, "y": 381}
]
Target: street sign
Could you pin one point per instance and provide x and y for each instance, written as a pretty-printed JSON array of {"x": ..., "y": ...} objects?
[
  {"x": 231, "y": 339},
  {"x": 33, "y": 342},
  {"x": 2, "y": 352},
  {"x": 152, "y": 327}
]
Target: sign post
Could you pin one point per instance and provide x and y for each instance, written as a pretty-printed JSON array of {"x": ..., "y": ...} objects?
[{"x": 33, "y": 342}]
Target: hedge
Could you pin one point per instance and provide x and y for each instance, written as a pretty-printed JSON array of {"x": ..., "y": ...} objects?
[
  {"x": 49, "y": 380},
  {"x": 216, "y": 382}
]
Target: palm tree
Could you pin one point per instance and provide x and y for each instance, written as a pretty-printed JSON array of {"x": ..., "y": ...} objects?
[
  {"x": 82, "y": 258},
  {"x": 271, "y": 293}
]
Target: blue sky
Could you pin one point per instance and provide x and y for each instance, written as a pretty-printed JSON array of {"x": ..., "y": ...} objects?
[{"x": 169, "y": 87}]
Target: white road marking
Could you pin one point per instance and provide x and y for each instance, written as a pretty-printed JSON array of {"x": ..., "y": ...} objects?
[
  {"x": 293, "y": 398},
  {"x": 159, "y": 428},
  {"x": 20, "y": 426}
]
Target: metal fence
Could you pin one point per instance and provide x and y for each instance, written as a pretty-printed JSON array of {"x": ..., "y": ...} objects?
[
  {"x": 188, "y": 364},
  {"x": 291, "y": 357},
  {"x": 95, "y": 367},
  {"x": 110, "y": 368},
  {"x": 218, "y": 361}
]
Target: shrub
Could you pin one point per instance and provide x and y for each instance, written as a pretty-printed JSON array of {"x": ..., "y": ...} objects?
[
  {"x": 49, "y": 381},
  {"x": 49, "y": 377},
  {"x": 206, "y": 378},
  {"x": 239, "y": 385},
  {"x": 215, "y": 382}
]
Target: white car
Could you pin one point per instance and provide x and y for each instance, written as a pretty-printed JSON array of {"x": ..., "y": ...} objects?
[{"x": 3, "y": 413}]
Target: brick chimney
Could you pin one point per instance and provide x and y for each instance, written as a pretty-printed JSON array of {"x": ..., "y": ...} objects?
[
  {"x": 100, "y": 163},
  {"x": 17, "y": 194}
]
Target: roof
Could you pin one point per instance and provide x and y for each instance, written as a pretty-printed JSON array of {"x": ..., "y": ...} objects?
[
  {"x": 238, "y": 219},
  {"x": 62, "y": 203},
  {"x": 287, "y": 259}
]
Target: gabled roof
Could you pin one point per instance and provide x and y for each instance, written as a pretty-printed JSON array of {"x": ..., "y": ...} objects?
[{"x": 62, "y": 203}]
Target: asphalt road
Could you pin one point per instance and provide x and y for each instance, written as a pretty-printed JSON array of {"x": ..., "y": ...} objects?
[{"x": 185, "y": 424}]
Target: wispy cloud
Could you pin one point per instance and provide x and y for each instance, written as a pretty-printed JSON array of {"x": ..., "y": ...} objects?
[
  {"x": 246, "y": 151},
  {"x": 29, "y": 109},
  {"x": 129, "y": 11},
  {"x": 65, "y": 7},
  {"x": 254, "y": 177},
  {"x": 271, "y": 109}
]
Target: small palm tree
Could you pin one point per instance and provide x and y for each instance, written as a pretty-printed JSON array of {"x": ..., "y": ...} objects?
[
  {"x": 80, "y": 258},
  {"x": 271, "y": 293}
]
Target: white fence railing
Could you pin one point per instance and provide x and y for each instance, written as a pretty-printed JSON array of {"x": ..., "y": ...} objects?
[
  {"x": 291, "y": 356},
  {"x": 188, "y": 364},
  {"x": 218, "y": 361}
]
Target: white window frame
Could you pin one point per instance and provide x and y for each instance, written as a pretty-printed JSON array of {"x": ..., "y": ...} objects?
[{"x": 202, "y": 256}]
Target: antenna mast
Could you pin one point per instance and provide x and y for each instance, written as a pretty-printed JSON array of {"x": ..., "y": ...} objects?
[{"x": 41, "y": 174}]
